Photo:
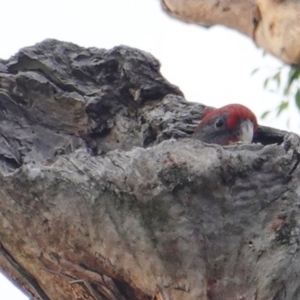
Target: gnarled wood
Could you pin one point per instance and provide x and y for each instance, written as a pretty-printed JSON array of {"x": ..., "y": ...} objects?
[{"x": 106, "y": 195}]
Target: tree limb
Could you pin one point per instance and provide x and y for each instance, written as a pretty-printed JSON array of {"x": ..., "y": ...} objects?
[{"x": 272, "y": 24}]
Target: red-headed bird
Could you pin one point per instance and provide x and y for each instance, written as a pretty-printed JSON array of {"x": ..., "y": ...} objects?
[{"x": 227, "y": 125}]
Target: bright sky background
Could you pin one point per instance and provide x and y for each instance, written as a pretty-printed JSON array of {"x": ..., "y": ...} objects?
[{"x": 211, "y": 66}]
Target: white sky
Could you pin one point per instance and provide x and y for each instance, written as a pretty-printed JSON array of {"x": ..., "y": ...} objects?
[{"x": 211, "y": 66}]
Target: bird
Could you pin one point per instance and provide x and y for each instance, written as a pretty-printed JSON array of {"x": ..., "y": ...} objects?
[{"x": 227, "y": 125}]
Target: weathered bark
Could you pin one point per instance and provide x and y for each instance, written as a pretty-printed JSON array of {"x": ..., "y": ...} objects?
[
  {"x": 105, "y": 195},
  {"x": 272, "y": 24}
]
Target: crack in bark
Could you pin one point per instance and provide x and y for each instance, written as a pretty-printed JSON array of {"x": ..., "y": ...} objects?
[
  {"x": 296, "y": 163},
  {"x": 91, "y": 290},
  {"x": 25, "y": 274}
]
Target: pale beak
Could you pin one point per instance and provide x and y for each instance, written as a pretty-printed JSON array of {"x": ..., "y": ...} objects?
[{"x": 246, "y": 131}]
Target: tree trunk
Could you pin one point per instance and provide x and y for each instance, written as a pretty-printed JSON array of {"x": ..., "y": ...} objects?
[
  {"x": 105, "y": 195},
  {"x": 272, "y": 24}
]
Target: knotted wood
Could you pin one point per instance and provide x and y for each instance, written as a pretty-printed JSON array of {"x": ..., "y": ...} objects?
[{"x": 106, "y": 195}]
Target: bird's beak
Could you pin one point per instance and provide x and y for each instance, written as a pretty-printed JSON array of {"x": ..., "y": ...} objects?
[{"x": 246, "y": 131}]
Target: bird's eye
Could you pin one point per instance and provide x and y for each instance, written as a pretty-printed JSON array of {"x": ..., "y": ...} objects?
[{"x": 219, "y": 123}]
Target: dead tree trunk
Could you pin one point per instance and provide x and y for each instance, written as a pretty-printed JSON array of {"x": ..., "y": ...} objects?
[{"x": 105, "y": 195}]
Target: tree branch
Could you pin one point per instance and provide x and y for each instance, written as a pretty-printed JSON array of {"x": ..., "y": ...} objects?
[{"x": 272, "y": 24}]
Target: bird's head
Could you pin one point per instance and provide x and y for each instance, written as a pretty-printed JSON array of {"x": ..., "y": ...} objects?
[{"x": 227, "y": 125}]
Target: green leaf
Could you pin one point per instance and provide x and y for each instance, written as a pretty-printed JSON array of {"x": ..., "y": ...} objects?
[
  {"x": 293, "y": 75},
  {"x": 254, "y": 71},
  {"x": 276, "y": 78},
  {"x": 266, "y": 83},
  {"x": 283, "y": 106},
  {"x": 297, "y": 98},
  {"x": 265, "y": 114}
]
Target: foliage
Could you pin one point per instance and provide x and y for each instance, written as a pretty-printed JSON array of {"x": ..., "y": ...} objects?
[{"x": 286, "y": 82}]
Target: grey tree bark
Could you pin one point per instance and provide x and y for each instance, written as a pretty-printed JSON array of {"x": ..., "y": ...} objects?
[{"x": 105, "y": 194}]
